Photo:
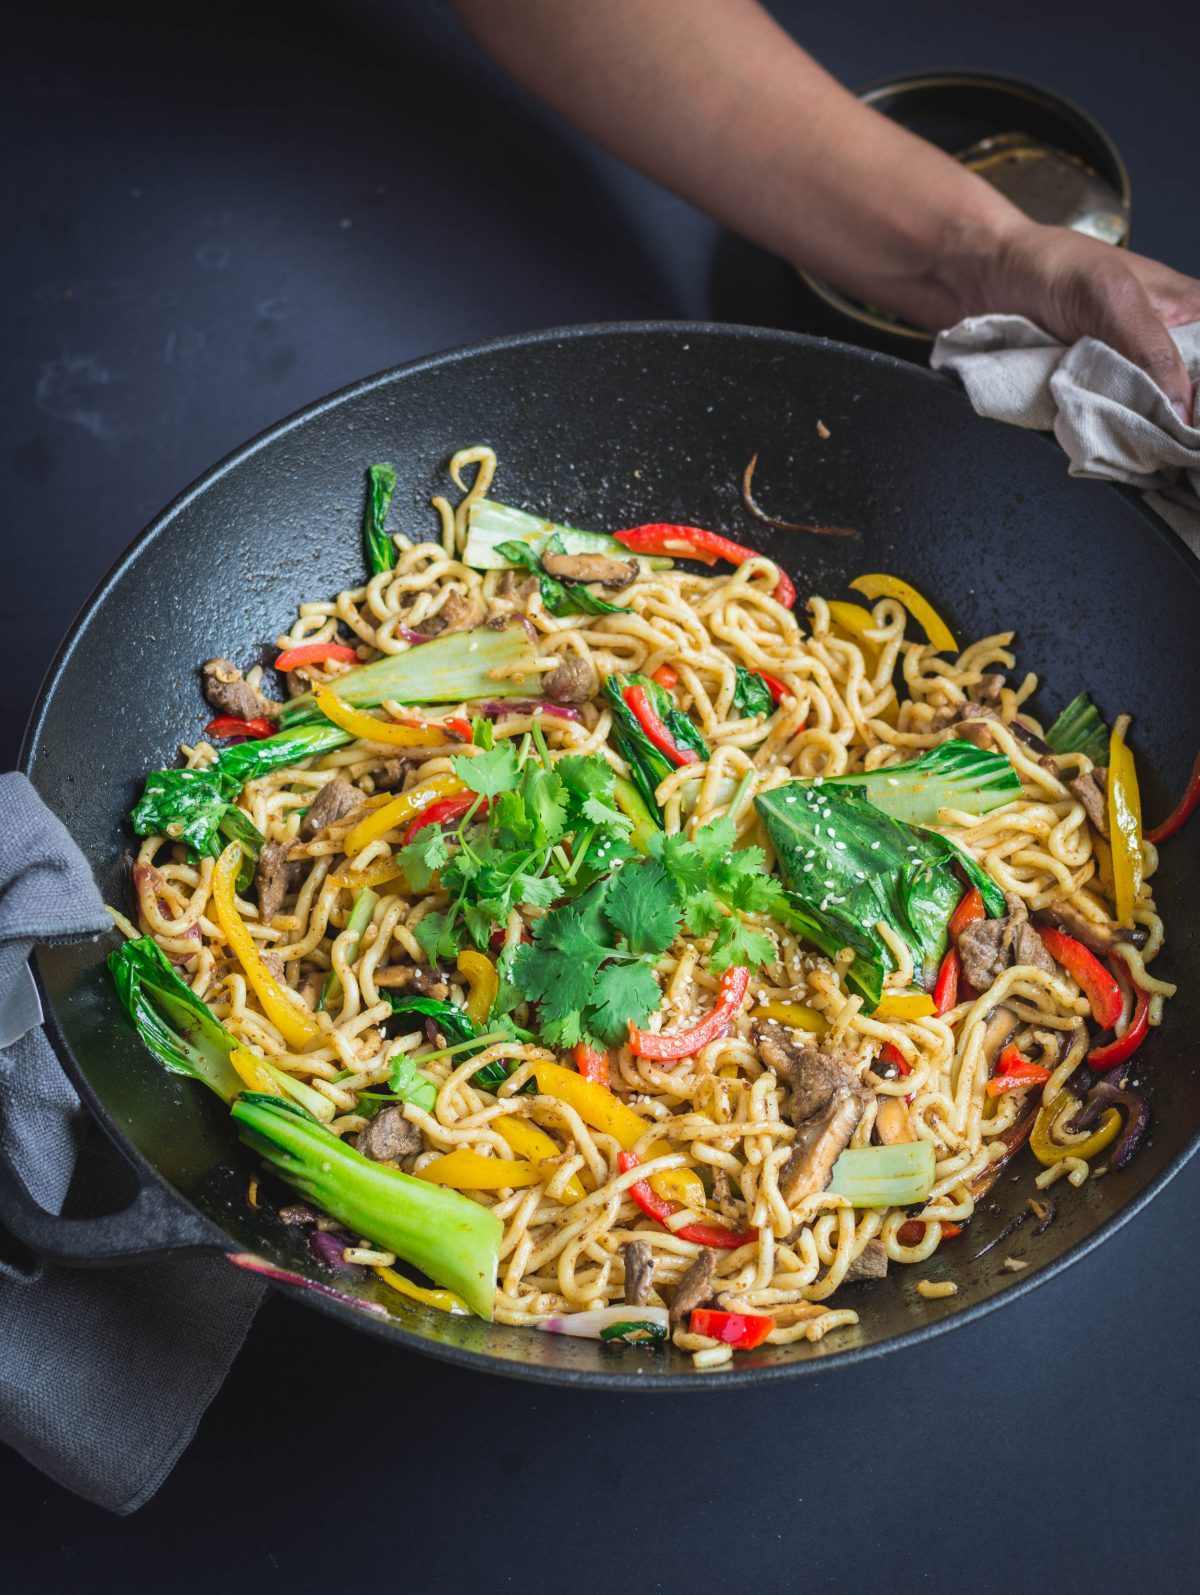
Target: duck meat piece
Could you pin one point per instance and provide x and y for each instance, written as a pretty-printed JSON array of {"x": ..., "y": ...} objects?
[
  {"x": 814, "y": 1075},
  {"x": 331, "y": 804},
  {"x": 389, "y": 1136},
  {"x": 819, "y": 1142},
  {"x": 391, "y": 775},
  {"x": 516, "y": 588},
  {"x": 990, "y": 946},
  {"x": 274, "y": 877},
  {"x": 229, "y": 693},
  {"x": 1099, "y": 936},
  {"x": 573, "y": 680},
  {"x": 987, "y": 689},
  {"x": 639, "y": 1272},
  {"x": 695, "y": 1288},
  {"x": 460, "y": 612},
  {"x": 430, "y": 982},
  {"x": 1028, "y": 949},
  {"x": 1092, "y": 791},
  {"x": 590, "y": 568},
  {"x": 871, "y": 1263}
]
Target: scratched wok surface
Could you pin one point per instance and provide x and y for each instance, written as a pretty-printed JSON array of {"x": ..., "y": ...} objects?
[{"x": 609, "y": 426}]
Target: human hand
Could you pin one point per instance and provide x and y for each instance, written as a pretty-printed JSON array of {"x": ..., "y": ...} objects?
[{"x": 1076, "y": 287}]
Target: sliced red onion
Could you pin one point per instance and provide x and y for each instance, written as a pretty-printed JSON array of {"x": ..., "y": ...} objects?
[
  {"x": 496, "y": 707},
  {"x": 605, "y": 1323},
  {"x": 1107, "y": 1094},
  {"x": 287, "y": 1276},
  {"x": 329, "y": 1248},
  {"x": 413, "y": 637}
]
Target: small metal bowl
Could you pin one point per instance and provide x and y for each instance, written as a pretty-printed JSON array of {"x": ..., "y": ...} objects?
[{"x": 973, "y": 112}]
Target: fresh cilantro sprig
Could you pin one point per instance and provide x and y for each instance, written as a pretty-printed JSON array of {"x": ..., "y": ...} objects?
[{"x": 717, "y": 885}]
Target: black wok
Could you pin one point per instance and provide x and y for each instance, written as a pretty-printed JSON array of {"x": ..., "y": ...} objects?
[{"x": 607, "y": 426}]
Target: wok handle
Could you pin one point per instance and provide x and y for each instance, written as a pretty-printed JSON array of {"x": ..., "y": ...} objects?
[{"x": 156, "y": 1224}]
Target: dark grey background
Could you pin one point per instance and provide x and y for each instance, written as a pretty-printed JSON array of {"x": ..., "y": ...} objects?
[{"x": 211, "y": 221}]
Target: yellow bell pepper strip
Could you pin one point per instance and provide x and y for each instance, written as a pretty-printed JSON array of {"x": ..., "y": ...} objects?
[
  {"x": 361, "y": 724},
  {"x": 259, "y": 1075},
  {"x": 297, "y": 1027},
  {"x": 878, "y": 585},
  {"x": 478, "y": 970},
  {"x": 379, "y": 873},
  {"x": 398, "y": 811},
  {"x": 905, "y": 1005},
  {"x": 1054, "y": 1117},
  {"x": 444, "y": 1300},
  {"x": 529, "y": 1141},
  {"x": 796, "y": 1014},
  {"x": 464, "y": 1170},
  {"x": 252, "y": 1072},
  {"x": 853, "y": 619},
  {"x": 601, "y": 1110},
  {"x": 1124, "y": 823}
]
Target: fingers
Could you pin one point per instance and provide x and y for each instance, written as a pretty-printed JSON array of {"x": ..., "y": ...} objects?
[
  {"x": 1123, "y": 315},
  {"x": 1175, "y": 297}
]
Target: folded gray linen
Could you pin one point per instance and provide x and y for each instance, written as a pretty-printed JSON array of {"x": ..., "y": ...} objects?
[
  {"x": 1112, "y": 420},
  {"x": 104, "y": 1373}
]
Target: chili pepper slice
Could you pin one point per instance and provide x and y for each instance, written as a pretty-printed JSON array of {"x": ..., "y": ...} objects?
[
  {"x": 316, "y": 653},
  {"x": 666, "y": 677},
  {"x": 1099, "y": 986},
  {"x": 638, "y": 700},
  {"x": 969, "y": 911},
  {"x": 693, "y": 542},
  {"x": 1183, "y": 810},
  {"x": 449, "y": 808},
  {"x": 745, "y": 1331},
  {"x": 591, "y": 1064},
  {"x": 1124, "y": 1046},
  {"x": 731, "y": 993},
  {"x": 912, "y": 1231},
  {"x": 656, "y": 1208},
  {"x": 945, "y": 992},
  {"x": 232, "y": 725}
]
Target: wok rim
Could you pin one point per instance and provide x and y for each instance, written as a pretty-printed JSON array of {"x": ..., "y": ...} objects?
[{"x": 395, "y": 1330}]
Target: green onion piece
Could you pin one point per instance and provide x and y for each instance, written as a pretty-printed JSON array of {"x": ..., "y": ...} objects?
[{"x": 885, "y": 1176}]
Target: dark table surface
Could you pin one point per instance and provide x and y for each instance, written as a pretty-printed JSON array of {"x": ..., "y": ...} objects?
[{"x": 212, "y": 221}]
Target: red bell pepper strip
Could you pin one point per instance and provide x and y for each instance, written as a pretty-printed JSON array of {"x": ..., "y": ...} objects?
[
  {"x": 1098, "y": 984},
  {"x": 731, "y": 993},
  {"x": 693, "y": 542},
  {"x": 891, "y": 1054},
  {"x": 666, "y": 677},
  {"x": 912, "y": 1231},
  {"x": 232, "y": 725},
  {"x": 655, "y": 1207},
  {"x": 1124, "y": 1046},
  {"x": 455, "y": 724},
  {"x": 945, "y": 992},
  {"x": 779, "y": 690},
  {"x": 638, "y": 701},
  {"x": 1013, "y": 1072},
  {"x": 439, "y": 813},
  {"x": 591, "y": 1064},
  {"x": 968, "y": 912},
  {"x": 1183, "y": 810},
  {"x": 745, "y": 1331},
  {"x": 316, "y": 653}
]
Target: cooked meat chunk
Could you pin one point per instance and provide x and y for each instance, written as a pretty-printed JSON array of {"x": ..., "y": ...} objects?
[
  {"x": 517, "y": 589},
  {"x": 391, "y": 775},
  {"x": 871, "y": 1263},
  {"x": 990, "y": 946},
  {"x": 460, "y": 612},
  {"x": 987, "y": 689},
  {"x": 590, "y": 568},
  {"x": 228, "y": 693},
  {"x": 1098, "y": 935},
  {"x": 814, "y": 1075},
  {"x": 332, "y": 803},
  {"x": 274, "y": 878},
  {"x": 972, "y": 720},
  {"x": 819, "y": 1142},
  {"x": 1092, "y": 791},
  {"x": 419, "y": 977},
  {"x": 695, "y": 1288},
  {"x": 573, "y": 680},
  {"x": 639, "y": 1272},
  {"x": 389, "y": 1136}
]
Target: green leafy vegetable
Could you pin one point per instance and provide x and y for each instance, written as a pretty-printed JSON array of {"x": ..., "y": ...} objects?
[
  {"x": 407, "y": 1083},
  {"x": 751, "y": 695},
  {"x": 490, "y": 524},
  {"x": 954, "y": 775},
  {"x": 715, "y": 884},
  {"x": 1080, "y": 729},
  {"x": 885, "y": 1176},
  {"x": 648, "y": 765},
  {"x": 849, "y": 866},
  {"x": 450, "y": 1238},
  {"x": 455, "y": 668},
  {"x": 559, "y": 597},
  {"x": 178, "y": 1028},
  {"x": 377, "y": 545}
]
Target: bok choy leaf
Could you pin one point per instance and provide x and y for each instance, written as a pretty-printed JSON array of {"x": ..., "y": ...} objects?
[
  {"x": 173, "y": 1022},
  {"x": 1079, "y": 729},
  {"x": 954, "y": 775},
  {"x": 490, "y": 524},
  {"x": 559, "y": 597},
  {"x": 648, "y": 765},
  {"x": 377, "y": 545}
]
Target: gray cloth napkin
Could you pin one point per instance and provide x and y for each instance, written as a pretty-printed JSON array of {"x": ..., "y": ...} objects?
[
  {"x": 1109, "y": 416},
  {"x": 104, "y": 1373}
]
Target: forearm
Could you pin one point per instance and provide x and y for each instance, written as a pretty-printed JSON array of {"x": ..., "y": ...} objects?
[{"x": 715, "y": 101}]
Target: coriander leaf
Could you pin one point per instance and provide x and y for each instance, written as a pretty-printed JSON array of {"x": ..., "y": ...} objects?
[
  {"x": 558, "y": 968},
  {"x": 642, "y": 905},
  {"x": 422, "y": 858},
  {"x": 483, "y": 733},
  {"x": 436, "y": 937},
  {"x": 736, "y": 943},
  {"x": 538, "y": 891},
  {"x": 564, "y": 1032},
  {"x": 682, "y": 859},
  {"x": 625, "y": 993},
  {"x": 489, "y": 773},
  {"x": 716, "y": 840},
  {"x": 545, "y": 804},
  {"x": 702, "y": 913}
]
